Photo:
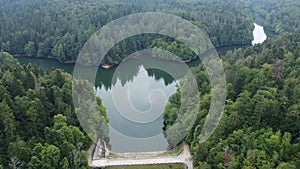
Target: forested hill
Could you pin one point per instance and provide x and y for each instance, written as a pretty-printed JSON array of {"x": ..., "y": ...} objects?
[
  {"x": 38, "y": 125},
  {"x": 277, "y": 15},
  {"x": 259, "y": 129},
  {"x": 260, "y": 124},
  {"x": 60, "y": 28}
]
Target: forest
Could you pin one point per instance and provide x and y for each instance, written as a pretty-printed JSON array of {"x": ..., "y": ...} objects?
[
  {"x": 260, "y": 125},
  {"x": 59, "y": 29},
  {"x": 259, "y": 128},
  {"x": 38, "y": 124},
  {"x": 276, "y": 15}
]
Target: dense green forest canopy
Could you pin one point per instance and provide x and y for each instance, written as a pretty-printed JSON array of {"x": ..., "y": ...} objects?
[
  {"x": 259, "y": 129},
  {"x": 38, "y": 124},
  {"x": 260, "y": 125},
  {"x": 60, "y": 28},
  {"x": 277, "y": 15}
]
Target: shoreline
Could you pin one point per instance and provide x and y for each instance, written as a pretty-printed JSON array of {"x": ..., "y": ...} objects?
[
  {"x": 107, "y": 66},
  {"x": 67, "y": 62}
]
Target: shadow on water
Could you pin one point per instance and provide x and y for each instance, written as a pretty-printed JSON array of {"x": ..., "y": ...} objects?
[
  {"x": 156, "y": 74},
  {"x": 104, "y": 76}
]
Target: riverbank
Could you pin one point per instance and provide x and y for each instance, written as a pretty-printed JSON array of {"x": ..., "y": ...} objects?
[
  {"x": 44, "y": 57},
  {"x": 220, "y": 49},
  {"x": 260, "y": 20},
  {"x": 67, "y": 62},
  {"x": 161, "y": 166}
]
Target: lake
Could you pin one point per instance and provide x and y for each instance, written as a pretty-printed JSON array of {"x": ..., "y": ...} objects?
[{"x": 140, "y": 81}]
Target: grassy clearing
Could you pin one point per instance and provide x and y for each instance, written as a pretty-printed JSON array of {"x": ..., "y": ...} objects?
[
  {"x": 112, "y": 155},
  {"x": 163, "y": 166},
  {"x": 174, "y": 152}
]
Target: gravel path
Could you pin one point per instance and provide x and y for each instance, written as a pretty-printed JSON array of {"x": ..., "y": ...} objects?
[{"x": 183, "y": 158}]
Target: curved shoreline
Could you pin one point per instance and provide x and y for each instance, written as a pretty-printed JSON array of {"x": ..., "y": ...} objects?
[
  {"x": 67, "y": 62},
  {"x": 107, "y": 66}
]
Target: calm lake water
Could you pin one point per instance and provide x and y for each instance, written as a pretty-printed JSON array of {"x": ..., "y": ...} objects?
[
  {"x": 141, "y": 82},
  {"x": 259, "y": 34},
  {"x": 147, "y": 89}
]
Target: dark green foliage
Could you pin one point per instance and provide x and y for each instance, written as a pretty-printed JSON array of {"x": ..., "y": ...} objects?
[
  {"x": 38, "y": 124},
  {"x": 60, "y": 28},
  {"x": 260, "y": 125},
  {"x": 29, "y": 49},
  {"x": 276, "y": 15}
]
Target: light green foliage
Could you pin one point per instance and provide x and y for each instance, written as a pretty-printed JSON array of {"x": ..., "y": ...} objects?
[
  {"x": 29, "y": 49},
  {"x": 58, "y": 52},
  {"x": 6, "y": 59},
  {"x": 47, "y": 157},
  {"x": 102, "y": 109}
]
